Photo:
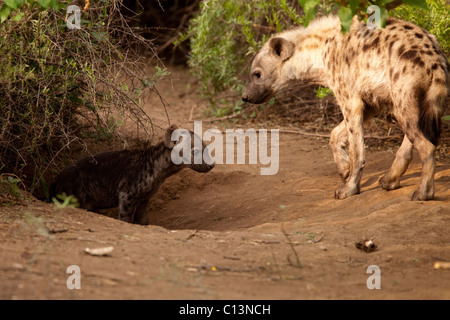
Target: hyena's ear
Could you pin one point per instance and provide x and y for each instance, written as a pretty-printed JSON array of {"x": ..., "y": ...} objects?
[
  {"x": 281, "y": 47},
  {"x": 168, "y": 137}
]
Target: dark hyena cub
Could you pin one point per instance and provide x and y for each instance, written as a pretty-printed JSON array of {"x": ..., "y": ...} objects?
[
  {"x": 129, "y": 178},
  {"x": 399, "y": 68}
]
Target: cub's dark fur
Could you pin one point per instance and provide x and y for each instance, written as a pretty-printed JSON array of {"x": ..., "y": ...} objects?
[{"x": 126, "y": 179}]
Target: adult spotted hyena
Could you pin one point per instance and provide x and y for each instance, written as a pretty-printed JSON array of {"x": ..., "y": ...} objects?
[{"x": 400, "y": 68}]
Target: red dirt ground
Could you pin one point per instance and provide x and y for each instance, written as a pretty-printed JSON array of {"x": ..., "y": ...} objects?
[{"x": 223, "y": 234}]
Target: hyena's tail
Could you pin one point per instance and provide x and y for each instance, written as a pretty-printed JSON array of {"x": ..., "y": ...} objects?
[{"x": 434, "y": 104}]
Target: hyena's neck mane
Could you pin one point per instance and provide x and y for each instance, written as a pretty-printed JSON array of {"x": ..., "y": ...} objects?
[
  {"x": 158, "y": 162},
  {"x": 307, "y": 62}
]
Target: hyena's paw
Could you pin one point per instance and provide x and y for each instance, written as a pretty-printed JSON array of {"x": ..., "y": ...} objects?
[
  {"x": 422, "y": 196},
  {"x": 389, "y": 184},
  {"x": 345, "y": 192},
  {"x": 125, "y": 216}
]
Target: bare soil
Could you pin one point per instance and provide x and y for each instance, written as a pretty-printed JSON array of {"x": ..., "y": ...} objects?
[{"x": 235, "y": 234}]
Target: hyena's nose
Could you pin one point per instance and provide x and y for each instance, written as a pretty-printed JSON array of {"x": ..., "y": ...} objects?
[{"x": 245, "y": 97}]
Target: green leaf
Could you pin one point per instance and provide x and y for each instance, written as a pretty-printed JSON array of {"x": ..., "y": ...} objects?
[
  {"x": 309, "y": 6},
  {"x": 309, "y": 15},
  {"x": 18, "y": 17},
  {"x": 12, "y": 4},
  {"x": 100, "y": 36},
  {"x": 55, "y": 5},
  {"x": 44, "y": 188},
  {"x": 421, "y": 4},
  {"x": 383, "y": 18},
  {"x": 4, "y": 13},
  {"x": 45, "y": 3},
  {"x": 345, "y": 15},
  {"x": 446, "y": 118},
  {"x": 354, "y": 5}
]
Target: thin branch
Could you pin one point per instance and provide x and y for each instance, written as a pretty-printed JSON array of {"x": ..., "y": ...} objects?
[
  {"x": 328, "y": 136},
  {"x": 299, "y": 265},
  {"x": 394, "y": 4}
]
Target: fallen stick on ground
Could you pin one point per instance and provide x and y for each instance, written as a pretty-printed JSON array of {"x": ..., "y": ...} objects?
[
  {"x": 328, "y": 136},
  {"x": 441, "y": 265}
]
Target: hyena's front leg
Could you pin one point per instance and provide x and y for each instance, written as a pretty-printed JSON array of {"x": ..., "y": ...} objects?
[
  {"x": 338, "y": 143},
  {"x": 140, "y": 216},
  {"x": 126, "y": 208},
  {"x": 354, "y": 118}
]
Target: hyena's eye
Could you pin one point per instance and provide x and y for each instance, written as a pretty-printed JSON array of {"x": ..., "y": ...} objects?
[{"x": 257, "y": 74}]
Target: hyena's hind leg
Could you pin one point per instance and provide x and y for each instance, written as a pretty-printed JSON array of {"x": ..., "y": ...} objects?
[
  {"x": 427, "y": 154},
  {"x": 338, "y": 145},
  {"x": 391, "y": 180},
  {"x": 420, "y": 129}
]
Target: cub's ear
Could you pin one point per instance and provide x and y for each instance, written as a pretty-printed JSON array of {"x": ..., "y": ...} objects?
[
  {"x": 281, "y": 47},
  {"x": 168, "y": 136}
]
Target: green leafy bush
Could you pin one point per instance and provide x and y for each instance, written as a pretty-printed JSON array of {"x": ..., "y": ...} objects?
[
  {"x": 436, "y": 20},
  {"x": 58, "y": 85},
  {"x": 226, "y": 33}
]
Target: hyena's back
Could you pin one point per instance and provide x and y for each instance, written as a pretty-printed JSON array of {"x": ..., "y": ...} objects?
[{"x": 399, "y": 67}]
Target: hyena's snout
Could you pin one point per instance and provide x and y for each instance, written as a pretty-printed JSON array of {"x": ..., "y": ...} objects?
[
  {"x": 246, "y": 96},
  {"x": 202, "y": 161},
  {"x": 257, "y": 94}
]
